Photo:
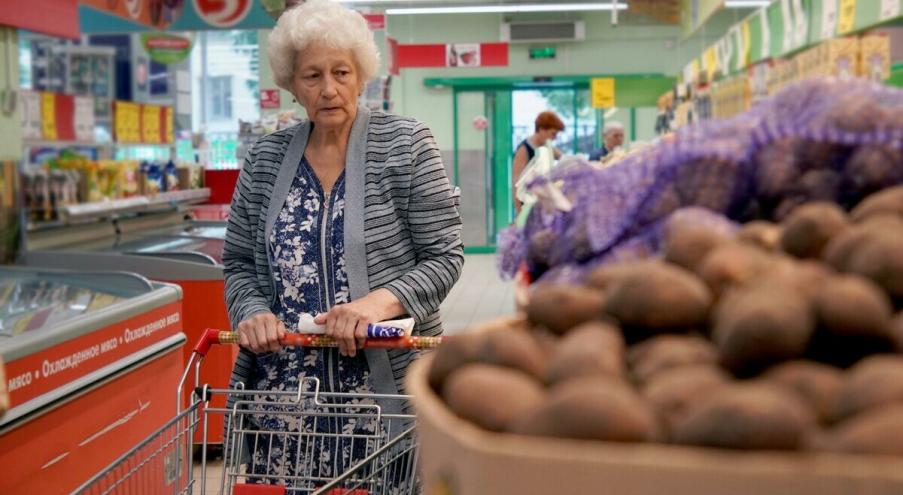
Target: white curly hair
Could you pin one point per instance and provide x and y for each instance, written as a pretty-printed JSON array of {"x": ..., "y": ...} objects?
[{"x": 320, "y": 21}]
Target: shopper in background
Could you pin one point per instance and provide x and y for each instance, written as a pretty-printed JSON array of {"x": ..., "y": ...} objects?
[
  {"x": 546, "y": 128},
  {"x": 612, "y": 137},
  {"x": 348, "y": 216}
]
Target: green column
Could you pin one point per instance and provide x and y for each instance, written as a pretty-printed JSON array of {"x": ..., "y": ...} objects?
[{"x": 502, "y": 150}]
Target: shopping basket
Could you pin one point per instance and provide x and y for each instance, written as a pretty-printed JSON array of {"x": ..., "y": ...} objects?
[{"x": 304, "y": 441}]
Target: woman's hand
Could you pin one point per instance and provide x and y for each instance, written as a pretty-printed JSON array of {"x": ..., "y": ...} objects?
[
  {"x": 261, "y": 333},
  {"x": 347, "y": 323}
]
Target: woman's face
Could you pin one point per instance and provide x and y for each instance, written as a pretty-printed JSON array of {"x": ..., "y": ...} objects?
[
  {"x": 546, "y": 135},
  {"x": 327, "y": 84}
]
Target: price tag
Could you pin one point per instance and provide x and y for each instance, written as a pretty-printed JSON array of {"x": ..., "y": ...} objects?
[
  {"x": 150, "y": 124},
  {"x": 890, "y": 9},
  {"x": 828, "y": 19},
  {"x": 766, "y": 33},
  {"x": 48, "y": 116},
  {"x": 789, "y": 26},
  {"x": 846, "y": 17},
  {"x": 603, "y": 92},
  {"x": 84, "y": 118},
  {"x": 31, "y": 115}
]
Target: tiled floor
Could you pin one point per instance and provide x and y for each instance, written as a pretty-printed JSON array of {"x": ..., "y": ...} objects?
[{"x": 479, "y": 295}]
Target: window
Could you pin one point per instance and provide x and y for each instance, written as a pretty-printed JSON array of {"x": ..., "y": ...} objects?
[{"x": 220, "y": 90}]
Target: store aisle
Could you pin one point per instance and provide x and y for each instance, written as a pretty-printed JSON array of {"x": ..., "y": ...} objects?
[{"x": 479, "y": 295}]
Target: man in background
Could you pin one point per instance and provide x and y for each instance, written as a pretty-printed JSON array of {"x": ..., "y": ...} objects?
[{"x": 612, "y": 137}]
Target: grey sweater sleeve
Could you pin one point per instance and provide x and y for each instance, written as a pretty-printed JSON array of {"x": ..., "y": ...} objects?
[
  {"x": 435, "y": 229},
  {"x": 243, "y": 295}
]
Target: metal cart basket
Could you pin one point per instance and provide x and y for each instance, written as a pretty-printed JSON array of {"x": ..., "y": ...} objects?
[{"x": 305, "y": 441}]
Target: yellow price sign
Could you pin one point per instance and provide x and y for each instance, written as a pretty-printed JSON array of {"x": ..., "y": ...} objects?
[
  {"x": 48, "y": 116},
  {"x": 602, "y": 90},
  {"x": 169, "y": 132},
  {"x": 846, "y": 18},
  {"x": 150, "y": 120},
  {"x": 127, "y": 122},
  {"x": 710, "y": 62}
]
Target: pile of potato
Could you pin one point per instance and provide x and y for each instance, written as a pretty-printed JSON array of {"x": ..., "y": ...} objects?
[{"x": 784, "y": 336}]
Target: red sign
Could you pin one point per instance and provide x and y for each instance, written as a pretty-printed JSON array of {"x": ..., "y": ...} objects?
[
  {"x": 392, "y": 62},
  {"x": 37, "y": 374},
  {"x": 376, "y": 22},
  {"x": 53, "y": 17},
  {"x": 269, "y": 98},
  {"x": 223, "y": 13},
  {"x": 459, "y": 55}
]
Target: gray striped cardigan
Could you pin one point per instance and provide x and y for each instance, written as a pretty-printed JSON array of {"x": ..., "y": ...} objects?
[{"x": 402, "y": 228}]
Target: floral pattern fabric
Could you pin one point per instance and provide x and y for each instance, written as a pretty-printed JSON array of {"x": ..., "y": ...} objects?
[{"x": 298, "y": 447}]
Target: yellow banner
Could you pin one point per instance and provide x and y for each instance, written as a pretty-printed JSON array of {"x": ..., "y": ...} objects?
[
  {"x": 168, "y": 119},
  {"x": 603, "y": 92},
  {"x": 710, "y": 62},
  {"x": 150, "y": 124},
  {"x": 48, "y": 116},
  {"x": 127, "y": 122},
  {"x": 744, "y": 55},
  {"x": 846, "y": 17}
]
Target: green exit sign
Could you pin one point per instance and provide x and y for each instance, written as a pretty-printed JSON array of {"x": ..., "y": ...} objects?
[{"x": 542, "y": 52}]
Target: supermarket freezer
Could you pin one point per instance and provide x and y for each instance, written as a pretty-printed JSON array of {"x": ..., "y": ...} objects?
[
  {"x": 166, "y": 247},
  {"x": 92, "y": 361}
]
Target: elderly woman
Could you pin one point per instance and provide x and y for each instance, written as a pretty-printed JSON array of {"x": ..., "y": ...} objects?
[{"x": 348, "y": 216}]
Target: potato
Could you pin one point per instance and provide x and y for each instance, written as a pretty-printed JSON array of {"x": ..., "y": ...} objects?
[
  {"x": 665, "y": 352},
  {"x": 560, "y": 308},
  {"x": 840, "y": 250},
  {"x": 888, "y": 201},
  {"x": 592, "y": 408},
  {"x": 492, "y": 397},
  {"x": 659, "y": 296},
  {"x": 877, "y": 431},
  {"x": 687, "y": 244},
  {"x": 853, "y": 305},
  {"x": 809, "y": 228},
  {"x": 453, "y": 354},
  {"x": 881, "y": 260},
  {"x": 604, "y": 277},
  {"x": 873, "y": 167},
  {"x": 673, "y": 393},
  {"x": 516, "y": 349},
  {"x": 874, "y": 381},
  {"x": 747, "y": 416},
  {"x": 802, "y": 276},
  {"x": 896, "y": 331},
  {"x": 593, "y": 348},
  {"x": 756, "y": 328},
  {"x": 816, "y": 383},
  {"x": 776, "y": 170},
  {"x": 762, "y": 234},
  {"x": 732, "y": 264}
]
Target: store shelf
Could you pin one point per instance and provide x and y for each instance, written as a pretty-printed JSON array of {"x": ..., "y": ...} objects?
[{"x": 102, "y": 209}]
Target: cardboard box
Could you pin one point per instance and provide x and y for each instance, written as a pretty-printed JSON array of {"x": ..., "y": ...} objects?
[
  {"x": 874, "y": 57},
  {"x": 458, "y": 458},
  {"x": 839, "y": 58}
]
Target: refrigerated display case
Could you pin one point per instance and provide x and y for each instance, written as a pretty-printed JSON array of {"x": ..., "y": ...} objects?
[
  {"x": 168, "y": 247},
  {"x": 92, "y": 361}
]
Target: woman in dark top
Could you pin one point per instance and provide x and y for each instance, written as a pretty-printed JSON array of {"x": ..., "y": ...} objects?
[{"x": 548, "y": 125}]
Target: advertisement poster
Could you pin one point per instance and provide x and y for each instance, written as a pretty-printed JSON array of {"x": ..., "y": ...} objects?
[
  {"x": 462, "y": 55},
  {"x": 269, "y": 98}
]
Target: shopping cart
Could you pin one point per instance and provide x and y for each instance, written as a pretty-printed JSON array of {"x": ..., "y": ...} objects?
[{"x": 305, "y": 441}]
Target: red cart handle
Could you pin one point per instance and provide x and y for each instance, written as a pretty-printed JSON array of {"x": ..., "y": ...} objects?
[{"x": 213, "y": 336}]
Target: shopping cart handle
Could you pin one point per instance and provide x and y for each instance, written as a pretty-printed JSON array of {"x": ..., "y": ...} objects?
[{"x": 213, "y": 336}]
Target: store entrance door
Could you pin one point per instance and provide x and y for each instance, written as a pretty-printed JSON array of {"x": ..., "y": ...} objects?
[
  {"x": 482, "y": 165},
  {"x": 572, "y": 105}
]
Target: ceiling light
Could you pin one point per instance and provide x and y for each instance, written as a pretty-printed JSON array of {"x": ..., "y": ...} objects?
[
  {"x": 746, "y": 4},
  {"x": 508, "y": 9}
]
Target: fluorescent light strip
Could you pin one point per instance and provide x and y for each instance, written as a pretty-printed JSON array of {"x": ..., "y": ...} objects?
[
  {"x": 507, "y": 9},
  {"x": 741, "y": 4}
]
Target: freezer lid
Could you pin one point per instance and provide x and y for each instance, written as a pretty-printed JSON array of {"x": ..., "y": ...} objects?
[
  {"x": 40, "y": 307},
  {"x": 155, "y": 267}
]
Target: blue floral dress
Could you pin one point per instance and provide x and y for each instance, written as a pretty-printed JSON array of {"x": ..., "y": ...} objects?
[{"x": 307, "y": 254}]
